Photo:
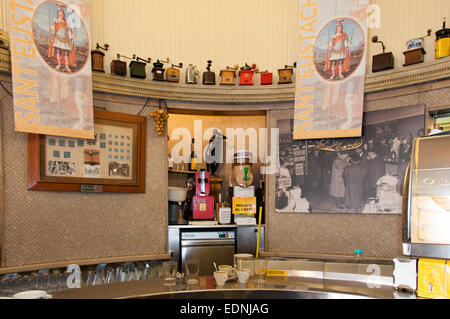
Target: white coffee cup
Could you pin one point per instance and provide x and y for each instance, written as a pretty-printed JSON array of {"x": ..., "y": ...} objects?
[
  {"x": 229, "y": 269},
  {"x": 243, "y": 275},
  {"x": 220, "y": 277}
]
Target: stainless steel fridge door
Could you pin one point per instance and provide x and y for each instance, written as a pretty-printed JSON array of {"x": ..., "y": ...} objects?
[
  {"x": 220, "y": 251},
  {"x": 429, "y": 201}
]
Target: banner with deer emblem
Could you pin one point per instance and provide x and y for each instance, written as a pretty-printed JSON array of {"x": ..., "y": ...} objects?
[
  {"x": 331, "y": 64},
  {"x": 51, "y": 67}
]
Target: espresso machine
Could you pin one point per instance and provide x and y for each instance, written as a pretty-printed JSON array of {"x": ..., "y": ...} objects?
[{"x": 202, "y": 202}]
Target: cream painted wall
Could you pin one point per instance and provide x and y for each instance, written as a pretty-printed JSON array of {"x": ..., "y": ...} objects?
[{"x": 237, "y": 31}]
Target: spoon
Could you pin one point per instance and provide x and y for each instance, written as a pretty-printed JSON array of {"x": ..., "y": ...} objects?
[{"x": 215, "y": 266}]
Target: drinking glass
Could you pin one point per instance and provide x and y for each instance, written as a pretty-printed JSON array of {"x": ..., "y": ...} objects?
[
  {"x": 192, "y": 271},
  {"x": 170, "y": 273},
  {"x": 110, "y": 276},
  {"x": 99, "y": 278},
  {"x": 90, "y": 278},
  {"x": 243, "y": 261},
  {"x": 260, "y": 267}
]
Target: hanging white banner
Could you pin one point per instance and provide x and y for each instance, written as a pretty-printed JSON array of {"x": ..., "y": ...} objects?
[
  {"x": 51, "y": 67},
  {"x": 331, "y": 63}
]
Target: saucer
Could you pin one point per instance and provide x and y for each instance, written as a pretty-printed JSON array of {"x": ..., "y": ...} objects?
[{"x": 32, "y": 294}]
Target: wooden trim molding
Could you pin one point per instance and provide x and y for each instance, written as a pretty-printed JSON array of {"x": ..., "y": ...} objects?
[
  {"x": 108, "y": 83},
  {"x": 417, "y": 74},
  {"x": 83, "y": 262}
]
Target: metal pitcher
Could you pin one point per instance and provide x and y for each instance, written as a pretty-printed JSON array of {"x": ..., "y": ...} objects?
[{"x": 191, "y": 74}]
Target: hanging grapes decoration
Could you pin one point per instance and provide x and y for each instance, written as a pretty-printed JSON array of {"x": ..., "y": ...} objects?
[{"x": 160, "y": 117}]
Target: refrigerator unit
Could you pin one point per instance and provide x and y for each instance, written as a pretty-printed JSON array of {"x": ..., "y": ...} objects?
[{"x": 426, "y": 200}]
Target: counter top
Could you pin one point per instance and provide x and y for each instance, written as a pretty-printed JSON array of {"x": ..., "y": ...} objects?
[{"x": 273, "y": 288}]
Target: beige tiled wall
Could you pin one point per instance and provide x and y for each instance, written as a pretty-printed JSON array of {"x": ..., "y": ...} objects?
[{"x": 49, "y": 227}]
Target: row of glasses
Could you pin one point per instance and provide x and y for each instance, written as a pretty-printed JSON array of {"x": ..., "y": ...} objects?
[
  {"x": 53, "y": 281},
  {"x": 126, "y": 272},
  {"x": 56, "y": 280}
]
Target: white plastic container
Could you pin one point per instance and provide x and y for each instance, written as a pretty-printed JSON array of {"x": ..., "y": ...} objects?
[
  {"x": 224, "y": 215},
  {"x": 405, "y": 273},
  {"x": 239, "y": 191},
  {"x": 177, "y": 194},
  {"x": 414, "y": 44}
]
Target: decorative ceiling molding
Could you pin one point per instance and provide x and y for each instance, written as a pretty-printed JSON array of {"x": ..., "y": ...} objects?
[
  {"x": 407, "y": 76},
  {"x": 392, "y": 79}
]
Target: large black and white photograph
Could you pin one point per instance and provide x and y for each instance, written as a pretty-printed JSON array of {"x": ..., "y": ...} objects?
[{"x": 353, "y": 175}]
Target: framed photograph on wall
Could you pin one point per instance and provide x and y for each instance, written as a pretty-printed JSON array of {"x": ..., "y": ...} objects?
[
  {"x": 114, "y": 161},
  {"x": 362, "y": 175}
]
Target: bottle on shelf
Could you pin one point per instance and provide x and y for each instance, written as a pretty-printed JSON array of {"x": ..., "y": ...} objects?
[
  {"x": 358, "y": 254},
  {"x": 193, "y": 164}
]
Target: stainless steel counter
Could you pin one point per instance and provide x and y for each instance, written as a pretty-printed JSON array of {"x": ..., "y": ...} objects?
[{"x": 274, "y": 288}]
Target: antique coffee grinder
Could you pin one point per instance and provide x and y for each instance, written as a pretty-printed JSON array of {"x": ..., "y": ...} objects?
[
  {"x": 4, "y": 42},
  {"x": 173, "y": 73},
  {"x": 383, "y": 61},
  {"x": 191, "y": 74},
  {"x": 202, "y": 202},
  {"x": 246, "y": 74},
  {"x": 285, "y": 75},
  {"x": 415, "y": 50},
  {"x": 137, "y": 67},
  {"x": 266, "y": 77},
  {"x": 158, "y": 70},
  {"x": 119, "y": 67},
  {"x": 227, "y": 75},
  {"x": 442, "y": 42},
  {"x": 98, "y": 58},
  {"x": 209, "y": 77}
]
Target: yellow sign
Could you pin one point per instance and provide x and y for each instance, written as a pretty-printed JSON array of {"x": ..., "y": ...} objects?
[
  {"x": 244, "y": 205},
  {"x": 275, "y": 272},
  {"x": 447, "y": 275},
  {"x": 431, "y": 278}
]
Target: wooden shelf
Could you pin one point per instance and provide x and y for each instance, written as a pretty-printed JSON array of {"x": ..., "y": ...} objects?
[
  {"x": 211, "y": 178},
  {"x": 181, "y": 171}
]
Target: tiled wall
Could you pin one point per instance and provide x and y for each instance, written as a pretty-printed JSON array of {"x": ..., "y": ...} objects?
[{"x": 49, "y": 227}]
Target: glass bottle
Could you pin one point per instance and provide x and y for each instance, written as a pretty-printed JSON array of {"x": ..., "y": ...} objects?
[{"x": 193, "y": 158}]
